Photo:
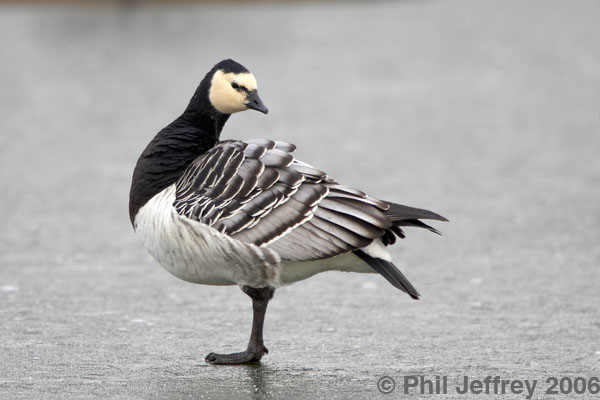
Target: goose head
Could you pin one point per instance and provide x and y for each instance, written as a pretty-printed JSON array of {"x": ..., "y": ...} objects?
[{"x": 228, "y": 88}]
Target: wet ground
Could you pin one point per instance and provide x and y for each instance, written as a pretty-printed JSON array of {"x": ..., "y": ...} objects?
[{"x": 486, "y": 112}]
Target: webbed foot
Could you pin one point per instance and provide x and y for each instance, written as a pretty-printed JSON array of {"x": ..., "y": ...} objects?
[{"x": 243, "y": 357}]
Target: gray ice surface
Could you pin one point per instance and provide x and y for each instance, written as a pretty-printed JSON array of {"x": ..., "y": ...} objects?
[{"x": 487, "y": 112}]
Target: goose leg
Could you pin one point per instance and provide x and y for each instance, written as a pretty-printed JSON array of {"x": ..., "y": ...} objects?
[{"x": 256, "y": 348}]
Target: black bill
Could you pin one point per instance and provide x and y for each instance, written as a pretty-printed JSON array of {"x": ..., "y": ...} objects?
[{"x": 255, "y": 103}]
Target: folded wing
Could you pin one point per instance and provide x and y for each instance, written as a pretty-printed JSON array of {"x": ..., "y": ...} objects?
[{"x": 256, "y": 192}]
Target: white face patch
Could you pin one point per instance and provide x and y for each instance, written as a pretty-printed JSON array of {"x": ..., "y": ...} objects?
[{"x": 227, "y": 99}]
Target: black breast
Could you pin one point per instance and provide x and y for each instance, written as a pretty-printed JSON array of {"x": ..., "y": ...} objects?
[{"x": 164, "y": 160}]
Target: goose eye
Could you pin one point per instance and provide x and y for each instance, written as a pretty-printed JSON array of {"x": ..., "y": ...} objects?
[{"x": 234, "y": 85}]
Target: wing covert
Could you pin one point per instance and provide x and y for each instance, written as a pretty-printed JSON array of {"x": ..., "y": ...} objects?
[{"x": 256, "y": 192}]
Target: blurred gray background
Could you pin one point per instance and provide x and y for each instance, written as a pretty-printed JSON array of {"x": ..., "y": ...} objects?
[{"x": 486, "y": 112}]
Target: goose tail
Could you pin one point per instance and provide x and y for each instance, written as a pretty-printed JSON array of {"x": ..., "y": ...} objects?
[{"x": 390, "y": 273}]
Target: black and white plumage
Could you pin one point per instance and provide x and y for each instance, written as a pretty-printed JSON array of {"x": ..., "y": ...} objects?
[{"x": 248, "y": 213}]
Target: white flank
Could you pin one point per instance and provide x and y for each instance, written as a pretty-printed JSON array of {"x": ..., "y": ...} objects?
[
  {"x": 294, "y": 271},
  {"x": 197, "y": 253}
]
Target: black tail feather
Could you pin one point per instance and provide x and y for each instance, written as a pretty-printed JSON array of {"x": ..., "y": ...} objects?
[
  {"x": 401, "y": 215},
  {"x": 417, "y": 224},
  {"x": 398, "y": 212},
  {"x": 389, "y": 272}
]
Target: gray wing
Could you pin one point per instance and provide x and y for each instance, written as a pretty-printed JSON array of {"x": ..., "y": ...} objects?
[{"x": 256, "y": 192}]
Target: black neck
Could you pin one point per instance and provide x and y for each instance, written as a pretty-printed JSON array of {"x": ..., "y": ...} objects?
[
  {"x": 207, "y": 123},
  {"x": 170, "y": 152}
]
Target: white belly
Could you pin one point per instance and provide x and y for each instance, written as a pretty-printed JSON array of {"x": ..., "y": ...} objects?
[
  {"x": 197, "y": 253},
  {"x": 294, "y": 271}
]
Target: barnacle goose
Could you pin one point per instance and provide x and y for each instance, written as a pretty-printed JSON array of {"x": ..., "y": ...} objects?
[{"x": 248, "y": 213}]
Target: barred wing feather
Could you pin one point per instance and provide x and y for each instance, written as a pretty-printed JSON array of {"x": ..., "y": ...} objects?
[{"x": 256, "y": 192}]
